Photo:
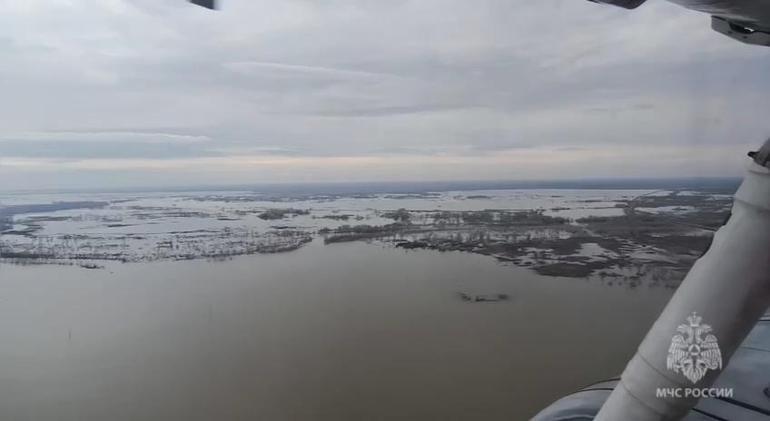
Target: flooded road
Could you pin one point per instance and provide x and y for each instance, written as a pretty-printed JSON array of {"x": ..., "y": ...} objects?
[{"x": 343, "y": 332}]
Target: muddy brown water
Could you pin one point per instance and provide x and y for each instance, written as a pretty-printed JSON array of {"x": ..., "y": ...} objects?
[{"x": 340, "y": 332}]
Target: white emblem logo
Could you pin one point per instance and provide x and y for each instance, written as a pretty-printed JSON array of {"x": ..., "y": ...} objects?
[{"x": 692, "y": 353}]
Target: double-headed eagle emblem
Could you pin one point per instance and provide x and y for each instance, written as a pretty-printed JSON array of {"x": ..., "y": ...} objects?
[{"x": 692, "y": 353}]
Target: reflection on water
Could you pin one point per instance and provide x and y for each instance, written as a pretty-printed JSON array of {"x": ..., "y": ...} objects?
[{"x": 349, "y": 331}]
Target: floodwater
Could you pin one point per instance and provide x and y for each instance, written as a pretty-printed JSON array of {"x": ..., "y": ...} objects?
[{"x": 347, "y": 331}]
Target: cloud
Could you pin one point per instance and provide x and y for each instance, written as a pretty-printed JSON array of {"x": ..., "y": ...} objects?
[
  {"x": 107, "y": 144},
  {"x": 94, "y": 85},
  {"x": 104, "y": 136}
]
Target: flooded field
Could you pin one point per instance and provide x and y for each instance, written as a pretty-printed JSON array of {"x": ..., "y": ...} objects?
[
  {"x": 343, "y": 332},
  {"x": 620, "y": 236},
  {"x": 237, "y": 305}
]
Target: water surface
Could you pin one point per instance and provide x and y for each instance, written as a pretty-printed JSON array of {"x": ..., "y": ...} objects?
[{"x": 341, "y": 332}]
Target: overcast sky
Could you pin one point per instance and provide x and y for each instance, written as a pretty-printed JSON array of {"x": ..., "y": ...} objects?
[{"x": 111, "y": 93}]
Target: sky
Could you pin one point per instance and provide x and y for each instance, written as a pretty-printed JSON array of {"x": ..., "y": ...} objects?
[{"x": 119, "y": 93}]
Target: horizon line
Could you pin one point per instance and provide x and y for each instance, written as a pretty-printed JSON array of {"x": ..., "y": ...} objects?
[{"x": 587, "y": 183}]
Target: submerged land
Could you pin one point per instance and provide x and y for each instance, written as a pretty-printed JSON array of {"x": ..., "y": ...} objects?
[
  {"x": 623, "y": 237},
  {"x": 422, "y": 303},
  {"x": 659, "y": 243}
]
